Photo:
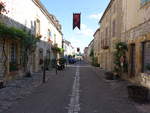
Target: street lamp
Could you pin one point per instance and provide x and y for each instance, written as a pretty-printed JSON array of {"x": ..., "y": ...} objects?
[
  {"x": 44, "y": 63},
  {"x": 44, "y": 70}
]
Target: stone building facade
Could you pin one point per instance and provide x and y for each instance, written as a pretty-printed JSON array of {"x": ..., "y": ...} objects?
[
  {"x": 38, "y": 22},
  {"x": 110, "y": 33},
  {"x": 89, "y": 53},
  {"x": 68, "y": 48},
  {"x": 96, "y": 44},
  {"x": 85, "y": 56},
  {"x": 124, "y": 22},
  {"x": 136, "y": 33}
]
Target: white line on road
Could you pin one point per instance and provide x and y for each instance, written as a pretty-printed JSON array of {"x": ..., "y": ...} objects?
[{"x": 74, "y": 106}]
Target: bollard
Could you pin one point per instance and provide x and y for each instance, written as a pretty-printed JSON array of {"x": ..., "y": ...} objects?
[{"x": 44, "y": 72}]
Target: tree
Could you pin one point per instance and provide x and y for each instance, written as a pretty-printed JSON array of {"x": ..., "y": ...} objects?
[{"x": 3, "y": 8}]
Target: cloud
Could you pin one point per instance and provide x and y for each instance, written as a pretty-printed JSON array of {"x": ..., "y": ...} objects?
[
  {"x": 75, "y": 42},
  {"x": 96, "y": 16},
  {"x": 82, "y": 37},
  {"x": 85, "y": 31},
  {"x": 79, "y": 42}
]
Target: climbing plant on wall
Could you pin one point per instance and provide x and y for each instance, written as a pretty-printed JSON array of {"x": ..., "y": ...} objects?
[
  {"x": 27, "y": 41},
  {"x": 120, "y": 60}
]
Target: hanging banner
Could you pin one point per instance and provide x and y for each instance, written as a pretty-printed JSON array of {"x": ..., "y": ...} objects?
[
  {"x": 78, "y": 49},
  {"x": 76, "y": 20}
]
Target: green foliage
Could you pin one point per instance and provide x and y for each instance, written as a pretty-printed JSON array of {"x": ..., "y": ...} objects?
[
  {"x": 27, "y": 41},
  {"x": 57, "y": 49},
  {"x": 96, "y": 65},
  {"x": 92, "y": 53},
  {"x": 13, "y": 33},
  {"x": 95, "y": 62},
  {"x": 121, "y": 48},
  {"x": 62, "y": 60},
  {"x": 61, "y": 50}
]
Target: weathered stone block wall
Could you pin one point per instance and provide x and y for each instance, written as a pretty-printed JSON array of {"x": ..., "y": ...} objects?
[{"x": 137, "y": 35}]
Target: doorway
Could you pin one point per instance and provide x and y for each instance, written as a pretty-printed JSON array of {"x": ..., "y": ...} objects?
[{"x": 133, "y": 60}]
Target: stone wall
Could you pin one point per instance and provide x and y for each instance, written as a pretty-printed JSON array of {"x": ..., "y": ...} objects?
[{"x": 137, "y": 32}]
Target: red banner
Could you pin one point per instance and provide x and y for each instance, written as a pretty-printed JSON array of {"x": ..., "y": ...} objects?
[{"x": 76, "y": 20}]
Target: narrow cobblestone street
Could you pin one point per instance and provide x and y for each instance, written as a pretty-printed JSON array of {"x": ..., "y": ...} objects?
[
  {"x": 60, "y": 56},
  {"x": 81, "y": 88}
]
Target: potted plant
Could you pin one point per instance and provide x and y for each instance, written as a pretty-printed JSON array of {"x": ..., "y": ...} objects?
[
  {"x": 109, "y": 75},
  {"x": 137, "y": 93}
]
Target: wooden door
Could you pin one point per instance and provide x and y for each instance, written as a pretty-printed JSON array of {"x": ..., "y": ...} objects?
[{"x": 133, "y": 59}]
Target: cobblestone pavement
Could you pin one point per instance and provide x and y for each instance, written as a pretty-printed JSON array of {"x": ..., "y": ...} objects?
[
  {"x": 19, "y": 88},
  {"x": 102, "y": 96},
  {"x": 51, "y": 97},
  {"x": 119, "y": 91},
  {"x": 81, "y": 88}
]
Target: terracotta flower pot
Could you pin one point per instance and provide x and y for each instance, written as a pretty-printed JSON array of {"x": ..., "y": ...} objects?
[{"x": 109, "y": 76}]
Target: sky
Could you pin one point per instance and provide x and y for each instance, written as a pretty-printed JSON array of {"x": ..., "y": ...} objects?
[{"x": 91, "y": 12}]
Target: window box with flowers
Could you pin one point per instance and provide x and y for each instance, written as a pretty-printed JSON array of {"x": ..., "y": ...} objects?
[{"x": 55, "y": 48}]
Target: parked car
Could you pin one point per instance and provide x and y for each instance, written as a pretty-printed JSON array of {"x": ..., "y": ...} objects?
[{"x": 72, "y": 60}]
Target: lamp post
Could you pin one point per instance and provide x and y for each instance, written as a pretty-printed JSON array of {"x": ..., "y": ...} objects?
[
  {"x": 44, "y": 64},
  {"x": 44, "y": 71}
]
